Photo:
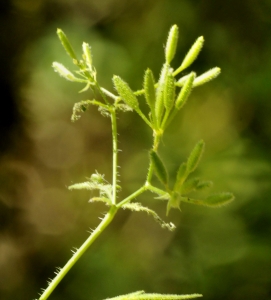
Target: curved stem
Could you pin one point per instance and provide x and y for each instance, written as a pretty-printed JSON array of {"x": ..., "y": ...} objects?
[{"x": 105, "y": 222}]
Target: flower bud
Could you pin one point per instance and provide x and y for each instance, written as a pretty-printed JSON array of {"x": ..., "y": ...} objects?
[
  {"x": 87, "y": 54},
  {"x": 159, "y": 102},
  {"x": 207, "y": 76},
  {"x": 169, "y": 90},
  {"x": 171, "y": 45},
  {"x": 149, "y": 88},
  {"x": 191, "y": 55},
  {"x": 66, "y": 44},
  {"x": 125, "y": 92},
  {"x": 185, "y": 91},
  {"x": 62, "y": 71}
]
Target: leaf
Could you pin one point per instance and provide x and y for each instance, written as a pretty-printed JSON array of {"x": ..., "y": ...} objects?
[
  {"x": 141, "y": 295},
  {"x": 82, "y": 186},
  {"x": 159, "y": 167},
  {"x": 82, "y": 106},
  {"x": 95, "y": 182},
  {"x": 135, "y": 206},
  {"x": 194, "y": 184},
  {"x": 195, "y": 156},
  {"x": 127, "y": 295},
  {"x": 64, "y": 72},
  {"x": 204, "y": 185},
  {"x": 189, "y": 186},
  {"x": 215, "y": 200},
  {"x": 100, "y": 199},
  {"x": 219, "y": 199}
]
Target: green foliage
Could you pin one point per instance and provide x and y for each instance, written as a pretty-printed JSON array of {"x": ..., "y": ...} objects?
[
  {"x": 163, "y": 106},
  {"x": 159, "y": 168},
  {"x": 141, "y": 295}
]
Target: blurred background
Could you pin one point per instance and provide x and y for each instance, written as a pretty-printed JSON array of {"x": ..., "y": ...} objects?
[{"x": 222, "y": 253}]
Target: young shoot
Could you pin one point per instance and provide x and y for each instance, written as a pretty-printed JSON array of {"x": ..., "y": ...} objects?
[{"x": 164, "y": 99}]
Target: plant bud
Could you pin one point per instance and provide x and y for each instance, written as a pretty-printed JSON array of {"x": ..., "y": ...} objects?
[
  {"x": 185, "y": 91},
  {"x": 169, "y": 90},
  {"x": 66, "y": 44},
  {"x": 171, "y": 45},
  {"x": 87, "y": 54},
  {"x": 62, "y": 71},
  {"x": 191, "y": 55},
  {"x": 125, "y": 92},
  {"x": 207, "y": 76},
  {"x": 149, "y": 88},
  {"x": 159, "y": 102},
  {"x": 195, "y": 156},
  {"x": 159, "y": 167}
]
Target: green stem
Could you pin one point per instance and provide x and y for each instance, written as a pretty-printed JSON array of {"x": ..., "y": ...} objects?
[
  {"x": 144, "y": 118},
  {"x": 154, "y": 189},
  {"x": 132, "y": 196},
  {"x": 169, "y": 118},
  {"x": 109, "y": 94},
  {"x": 101, "y": 227},
  {"x": 115, "y": 156}
]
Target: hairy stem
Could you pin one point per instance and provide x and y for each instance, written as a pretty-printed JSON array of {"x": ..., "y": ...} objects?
[
  {"x": 132, "y": 196},
  {"x": 115, "y": 155},
  {"x": 154, "y": 189},
  {"x": 104, "y": 223}
]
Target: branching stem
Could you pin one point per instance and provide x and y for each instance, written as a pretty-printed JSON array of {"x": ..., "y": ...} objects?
[{"x": 132, "y": 196}]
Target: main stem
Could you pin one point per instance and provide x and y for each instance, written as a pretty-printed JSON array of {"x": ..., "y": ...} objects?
[
  {"x": 115, "y": 156},
  {"x": 101, "y": 227}
]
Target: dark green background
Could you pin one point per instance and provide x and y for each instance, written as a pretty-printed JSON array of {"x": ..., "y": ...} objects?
[{"x": 223, "y": 253}]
